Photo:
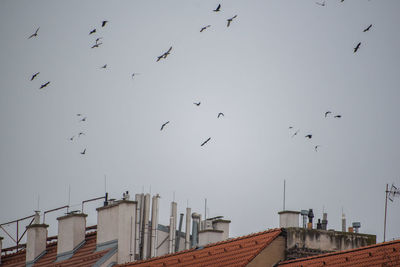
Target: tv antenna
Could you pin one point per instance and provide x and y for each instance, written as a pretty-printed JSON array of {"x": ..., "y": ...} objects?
[{"x": 390, "y": 194}]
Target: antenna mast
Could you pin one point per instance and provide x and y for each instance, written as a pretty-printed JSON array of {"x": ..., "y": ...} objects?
[{"x": 284, "y": 193}]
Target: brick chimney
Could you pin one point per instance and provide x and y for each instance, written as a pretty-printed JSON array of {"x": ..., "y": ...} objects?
[
  {"x": 36, "y": 240},
  {"x": 116, "y": 229},
  {"x": 71, "y": 234}
]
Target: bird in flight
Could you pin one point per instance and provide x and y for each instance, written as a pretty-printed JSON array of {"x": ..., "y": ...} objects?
[
  {"x": 309, "y": 136},
  {"x": 321, "y": 4},
  {"x": 98, "y": 39},
  {"x": 96, "y": 45},
  {"x": 367, "y": 29},
  {"x": 316, "y": 148},
  {"x": 338, "y": 116},
  {"x": 79, "y": 114},
  {"x": 164, "y": 55},
  {"x": 205, "y": 142},
  {"x": 295, "y": 133},
  {"x": 220, "y": 114},
  {"x": 103, "y": 67},
  {"x": 162, "y": 126},
  {"x": 84, "y": 119},
  {"x": 83, "y": 152},
  {"x": 92, "y": 31},
  {"x": 35, "y": 34},
  {"x": 218, "y": 8},
  {"x": 290, "y": 127},
  {"x": 34, "y": 75},
  {"x": 204, "y": 28},
  {"x": 197, "y": 104},
  {"x": 327, "y": 113},
  {"x": 72, "y": 138},
  {"x": 357, "y": 47},
  {"x": 134, "y": 74},
  {"x": 103, "y": 23},
  {"x": 81, "y": 133},
  {"x": 230, "y": 20},
  {"x": 44, "y": 85}
]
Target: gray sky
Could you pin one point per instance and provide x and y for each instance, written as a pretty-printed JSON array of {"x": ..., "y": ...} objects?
[{"x": 279, "y": 64}]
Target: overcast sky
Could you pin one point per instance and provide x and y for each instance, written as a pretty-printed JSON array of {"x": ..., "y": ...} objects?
[{"x": 279, "y": 64}]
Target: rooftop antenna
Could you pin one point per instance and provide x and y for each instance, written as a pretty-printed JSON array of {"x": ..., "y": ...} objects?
[
  {"x": 284, "y": 193},
  {"x": 69, "y": 197},
  {"x": 38, "y": 200},
  {"x": 205, "y": 209},
  {"x": 393, "y": 192},
  {"x": 150, "y": 190},
  {"x": 187, "y": 203},
  {"x": 105, "y": 183},
  {"x": 173, "y": 196}
]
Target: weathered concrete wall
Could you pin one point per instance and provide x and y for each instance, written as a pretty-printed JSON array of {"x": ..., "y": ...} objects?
[
  {"x": 288, "y": 218},
  {"x": 272, "y": 254},
  {"x": 36, "y": 241},
  {"x": 71, "y": 232},
  {"x": 326, "y": 240},
  {"x": 210, "y": 236}
]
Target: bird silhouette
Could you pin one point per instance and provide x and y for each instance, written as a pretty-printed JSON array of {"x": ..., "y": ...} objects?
[
  {"x": 165, "y": 54},
  {"x": 79, "y": 114},
  {"x": 205, "y": 27},
  {"x": 309, "y": 136},
  {"x": 295, "y": 133},
  {"x": 81, "y": 133},
  {"x": 72, "y": 138},
  {"x": 338, "y": 116},
  {"x": 103, "y": 23},
  {"x": 321, "y": 4},
  {"x": 134, "y": 74},
  {"x": 316, "y": 148},
  {"x": 96, "y": 45},
  {"x": 205, "y": 142},
  {"x": 290, "y": 127},
  {"x": 357, "y": 47},
  {"x": 218, "y": 8},
  {"x": 92, "y": 31},
  {"x": 44, "y": 85},
  {"x": 197, "y": 104},
  {"x": 84, "y": 119},
  {"x": 162, "y": 126},
  {"x": 34, "y": 75},
  {"x": 35, "y": 34},
  {"x": 220, "y": 114},
  {"x": 230, "y": 20},
  {"x": 327, "y": 113},
  {"x": 104, "y": 66},
  {"x": 98, "y": 39},
  {"x": 367, "y": 29},
  {"x": 83, "y": 152}
]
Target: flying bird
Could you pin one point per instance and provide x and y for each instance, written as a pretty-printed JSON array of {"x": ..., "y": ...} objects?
[
  {"x": 327, "y": 113},
  {"x": 84, "y": 119},
  {"x": 205, "y": 27},
  {"x": 357, "y": 47},
  {"x": 79, "y": 114},
  {"x": 72, "y": 138},
  {"x": 205, "y": 142},
  {"x": 230, "y": 20},
  {"x": 92, "y": 31},
  {"x": 44, "y": 85},
  {"x": 103, "y": 23},
  {"x": 35, "y": 34},
  {"x": 164, "y": 55},
  {"x": 96, "y": 45},
  {"x": 103, "y": 67},
  {"x": 98, "y": 39},
  {"x": 295, "y": 133},
  {"x": 220, "y": 114},
  {"x": 83, "y": 152},
  {"x": 135, "y": 73},
  {"x": 197, "y": 104},
  {"x": 338, "y": 116},
  {"x": 34, "y": 75},
  {"x": 81, "y": 133},
  {"x": 162, "y": 126},
  {"x": 218, "y": 8},
  {"x": 316, "y": 148},
  {"x": 309, "y": 136},
  {"x": 367, "y": 29},
  {"x": 290, "y": 127},
  {"x": 321, "y": 4}
]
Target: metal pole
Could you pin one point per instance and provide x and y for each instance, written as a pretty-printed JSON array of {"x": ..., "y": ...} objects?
[
  {"x": 384, "y": 224},
  {"x": 284, "y": 193}
]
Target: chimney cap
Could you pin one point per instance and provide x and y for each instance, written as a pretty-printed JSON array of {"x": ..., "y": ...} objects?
[
  {"x": 37, "y": 225},
  {"x": 72, "y": 214},
  {"x": 289, "y": 211}
]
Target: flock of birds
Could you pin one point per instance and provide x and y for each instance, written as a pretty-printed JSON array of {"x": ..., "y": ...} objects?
[{"x": 163, "y": 56}]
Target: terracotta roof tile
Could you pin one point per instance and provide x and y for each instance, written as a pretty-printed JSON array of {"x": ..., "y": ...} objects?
[
  {"x": 85, "y": 256},
  {"x": 383, "y": 254},
  {"x": 235, "y": 252}
]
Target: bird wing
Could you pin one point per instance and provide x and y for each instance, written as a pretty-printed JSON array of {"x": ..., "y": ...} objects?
[
  {"x": 229, "y": 23},
  {"x": 37, "y": 30},
  {"x": 169, "y": 50}
]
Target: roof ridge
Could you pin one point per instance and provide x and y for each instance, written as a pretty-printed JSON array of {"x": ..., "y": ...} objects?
[{"x": 342, "y": 251}]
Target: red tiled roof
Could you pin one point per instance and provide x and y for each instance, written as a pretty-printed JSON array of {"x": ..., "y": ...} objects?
[
  {"x": 234, "y": 253},
  {"x": 85, "y": 256},
  {"x": 383, "y": 254}
]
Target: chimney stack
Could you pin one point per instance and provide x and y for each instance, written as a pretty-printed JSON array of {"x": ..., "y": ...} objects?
[
  {"x": 195, "y": 228},
  {"x": 324, "y": 221},
  {"x": 36, "y": 240},
  {"x": 187, "y": 234},
  {"x": 310, "y": 219},
  {"x": 154, "y": 226},
  {"x": 146, "y": 226},
  {"x": 343, "y": 223},
  {"x": 71, "y": 234}
]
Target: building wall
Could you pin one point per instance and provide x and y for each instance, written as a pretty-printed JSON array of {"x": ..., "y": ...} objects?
[{"x": 272, "y": 254}]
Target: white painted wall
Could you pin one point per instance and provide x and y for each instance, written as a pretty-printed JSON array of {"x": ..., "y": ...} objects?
[
  {"x": 36, "y": 240},
  {"x": 71, "y": 232}
]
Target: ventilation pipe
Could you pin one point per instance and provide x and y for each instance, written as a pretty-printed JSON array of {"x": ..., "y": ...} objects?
[
  {"x": 171, "y": 233},
  {"x": 343, "y": 223},
  {"x": 187, "y": 234},
  {"x": 310, "y": 219},
  {"x": 138, "y": 198},
  {"x": 36, "y": 240},
  {"x": 178, "y": 237},
  {"x": 324, "y": 221},
  {"x": 174, "y": 207},
  {"x": 154, "y": 225},
  {"x": 195, "y": 231},
  {"x": 146, "y": 226}
]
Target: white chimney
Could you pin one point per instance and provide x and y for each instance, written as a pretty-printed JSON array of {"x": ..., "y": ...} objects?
[
  {"x": 210, "y": 236},
  {"x": 222, "y": 225},
  {"x": 174, "y": 210},
  {"x": 187, "y": 234},
  {"x": 288, "y": 218},
  {"x": 71, "y": 234},
  {"x": 36, "y": 240},
  {"x": 138, "y": 230},
  {"x": 154, "y": 226},
  {"x": 146, "y": 226},
  {"x": 116, "y": 229}
]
